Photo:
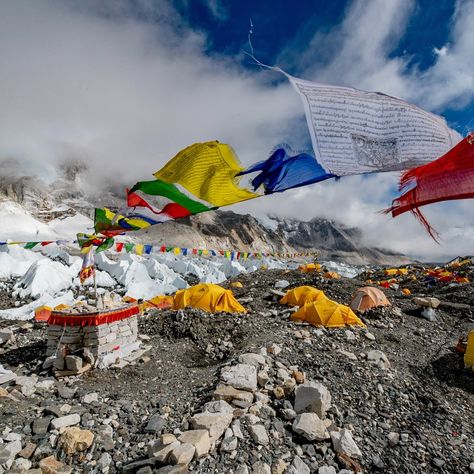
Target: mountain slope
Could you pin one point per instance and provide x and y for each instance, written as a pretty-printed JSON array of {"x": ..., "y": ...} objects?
[{"x": 31, "y": 209}]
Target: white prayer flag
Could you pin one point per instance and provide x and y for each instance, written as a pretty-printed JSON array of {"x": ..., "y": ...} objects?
[{"x": 355, "y": 132}]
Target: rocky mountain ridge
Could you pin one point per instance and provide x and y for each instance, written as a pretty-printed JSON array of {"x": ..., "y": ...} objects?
[{"x": 68, "y": 194}]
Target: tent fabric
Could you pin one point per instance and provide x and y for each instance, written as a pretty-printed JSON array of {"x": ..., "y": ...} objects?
[
  {"x": 395, "y": 271},
  {"x": 368, "y": 297},
  {"x": 42, "y": 313},
  {"x": 161, "y": 302},
  {"x": 301, "y": 295},
  {"x": 469, "y": 354},
  {"x": 332, "y": 275},
  {"x": 208, "y": 297},
  {"x": 310, "y": 267},
  {"x": 208, "y": 171},
  {"x": 327, "y": 313},
  {"x": 286, "y": 169},
  {"x": 447, "y": 178}
]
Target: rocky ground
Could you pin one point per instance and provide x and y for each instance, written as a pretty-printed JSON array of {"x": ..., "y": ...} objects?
[{"x": 255, "y": 393}]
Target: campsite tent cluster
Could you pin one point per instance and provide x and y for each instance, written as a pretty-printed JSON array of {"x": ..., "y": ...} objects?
[{"x": 458, "y": 271}]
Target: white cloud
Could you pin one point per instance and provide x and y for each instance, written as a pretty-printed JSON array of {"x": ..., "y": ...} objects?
[{"x": 125, "y": 94}]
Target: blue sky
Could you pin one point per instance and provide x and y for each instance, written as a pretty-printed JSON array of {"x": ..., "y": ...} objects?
[
  {"x": 125, "y": 84},
  {"x": 277, "y": 23}
]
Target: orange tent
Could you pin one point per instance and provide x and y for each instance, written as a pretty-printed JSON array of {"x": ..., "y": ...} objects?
[
  {"x": 208, "y": 297},
  {"x": 328, "y": 313},
  {"x": 42, "y": 313},
  {"x": 368, "y": 297},
  {"x": 161, "y": 302},
  {"x": 332, "y": 275},
  {"x": 301, "y": 295}
]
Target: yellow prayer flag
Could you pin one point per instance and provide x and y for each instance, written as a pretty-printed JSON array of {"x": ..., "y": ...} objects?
[
  {"x": 208, "y": 171},
  {"x": 177, "y": 250},
  {"x": 139, "y": 249}
]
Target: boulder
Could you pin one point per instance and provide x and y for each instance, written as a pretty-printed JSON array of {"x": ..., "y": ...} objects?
[
  {"x": 218, "y": 406},
  {"x": 199, "y": 439},
  {"x": 259, "y": 434},
  {"x": 74, "y": 440},
  {"x": 312, "y": 397},
  {"x": 73, "y": 363},
  {"x": 230, "y": 394},
  {"x": 261, "y": 467},
  {"x": 241, "y": 376},
  {"x": 279, "y": 466},
  {"x": 343, "y": 443},
  {"x": 64, "y": 421},
  {"x": 311, "y": 427},
  {"x": 427, "y": 302},
  {"x": 51, "y": 465},
  {"x": 229, "y": 444},
  {"x": 182, "y": 454},
  {"x": 6, "y": 335},
  {"x": 252, "y": 359},
  {"x": 161, "y": 452},
  {"x": 21, "y": 465},
  {"x": 155, "y": 424},
  {"x": 90, "y": 398},
  {"x": 215, "y": 423},
  {"x": 379, "y": 359},
  {"x": 327, "y": 470},
  {"x": 8, "y": 451},
  {"x": 298, "y": 466}
]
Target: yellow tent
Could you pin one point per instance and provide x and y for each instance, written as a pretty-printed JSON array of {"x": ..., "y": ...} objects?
[
  {"x": 325, "y": 312},
  {"x": 301, "y": 295},
  {"x": 236, "y": 284},
  {"x": 310, "y": 267},
  {"x": 208, "y": 297},
  {"x": 469, "y": 354}
]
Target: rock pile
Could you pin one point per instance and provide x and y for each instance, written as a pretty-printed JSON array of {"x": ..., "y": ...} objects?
[{"x": 266, "y": 417}]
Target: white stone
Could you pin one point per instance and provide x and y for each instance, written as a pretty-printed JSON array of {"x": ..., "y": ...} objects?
[
  {"x": 160, "y": 451},
  {"x": 299, "y": 467},
  {"x": 379, "y": 359},
  {"x": 349, "y": 355},
  {"x": 252, "y": 359},
  {"x": 182, "y": 454},
  {"x": 427, "y": 302},
  {"x": 261, "y": 467},
  {"x": 259, "y": 434},
  {"x": 22, "y": 464},
  {"x": 311, "y": 427},
  {"x": 327, "y": 470},
  {"x": 63, "y": 421},
  {"x": 394, "y": 438},
  {"x": 6, "y": 335},
  {"x": 241, "y": 376},
  {"x": 215, "y": 423},
  {"x": 199, "y": 439},
  {"x": 343, "y": 443},
  {"x": 312, "y": 397},
  {"x": 228, "y": 444},
  {"x": 282, "y": 284},
  {"x": 218, "y": 406},
  {"x": 90, "y": 398},
  {"x": 73, "y": 363}
]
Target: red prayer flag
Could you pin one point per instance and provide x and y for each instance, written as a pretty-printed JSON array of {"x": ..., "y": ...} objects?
[{"x": 447, "y": 178}]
